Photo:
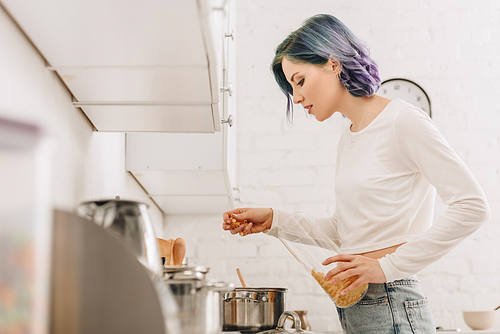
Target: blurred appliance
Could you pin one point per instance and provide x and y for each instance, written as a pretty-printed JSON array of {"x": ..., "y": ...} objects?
[
  {"x": 129, "y": 221},
  {"x": 25, "y": 227},
  {"x": 98, "y": 285}
]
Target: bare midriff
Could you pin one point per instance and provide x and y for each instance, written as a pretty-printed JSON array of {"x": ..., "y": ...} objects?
[{"x": 380, "y": 253}]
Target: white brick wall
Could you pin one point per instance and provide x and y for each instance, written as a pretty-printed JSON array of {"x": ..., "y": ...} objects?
[{"x": 451, "y": 49}]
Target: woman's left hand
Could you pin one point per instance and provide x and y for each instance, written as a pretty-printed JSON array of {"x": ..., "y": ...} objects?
[{"x": 367, "y": 269}]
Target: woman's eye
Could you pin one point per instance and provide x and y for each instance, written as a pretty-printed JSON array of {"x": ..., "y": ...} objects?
[{"x": 300, "y": 83}]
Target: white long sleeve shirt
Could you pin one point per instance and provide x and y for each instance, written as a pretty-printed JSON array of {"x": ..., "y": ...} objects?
[{"x": 385, "y": 189}]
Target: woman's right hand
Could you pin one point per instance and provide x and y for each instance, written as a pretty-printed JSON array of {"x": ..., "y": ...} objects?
[{"x": 259, "y": 219}]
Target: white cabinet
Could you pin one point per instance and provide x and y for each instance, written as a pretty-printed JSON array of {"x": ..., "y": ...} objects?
[
  {"x": 130, "y": 65},
  {"x": 193, "y": 173},
  {"x": 183, "y": 173},
  {"x": 153, "y": 69}
]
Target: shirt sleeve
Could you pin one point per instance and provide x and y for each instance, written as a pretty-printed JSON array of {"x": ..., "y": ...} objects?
[
  {"x": 319, "y": 228},
  {"x": 424, "y": 149}
]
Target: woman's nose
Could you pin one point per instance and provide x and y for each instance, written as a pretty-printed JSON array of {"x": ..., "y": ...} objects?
[{"x": 297, "y": 98}]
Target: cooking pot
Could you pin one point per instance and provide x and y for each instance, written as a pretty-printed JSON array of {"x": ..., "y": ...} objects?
[
  {"x": 197, "y": 308},
  {"x": 252, "y": 309}
]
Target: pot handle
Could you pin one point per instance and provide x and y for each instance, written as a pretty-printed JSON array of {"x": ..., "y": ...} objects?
[
  {"x": 296, "y": 320},
  {"x": 241, "y": 298},
  {"x": 254, "y": 297}
]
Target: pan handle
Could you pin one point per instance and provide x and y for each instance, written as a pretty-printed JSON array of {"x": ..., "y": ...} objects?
[
  {"x": 296, "y": 321},
  {"x": 247, "y": 298},
  {"x": 250, "y": 296}
]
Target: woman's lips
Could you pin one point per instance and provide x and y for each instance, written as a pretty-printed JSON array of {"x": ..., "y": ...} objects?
[{"x": 309, "y": 109}]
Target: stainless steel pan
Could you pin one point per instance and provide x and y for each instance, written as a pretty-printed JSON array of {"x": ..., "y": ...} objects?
[
  {"x": 253, "y": 309},
  {"x": 197, "y": 305}
]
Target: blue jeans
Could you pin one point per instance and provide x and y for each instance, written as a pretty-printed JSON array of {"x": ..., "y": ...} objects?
[{"x": 398, "y": 307}]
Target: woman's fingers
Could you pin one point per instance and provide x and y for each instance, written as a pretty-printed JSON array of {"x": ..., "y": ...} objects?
[
  {"x": 366, "y": 269},
  {"x": 233, "y": 213},
  {"x": 236, "y": 214},
  {"x": 237, "y": 229},
  {"x": 339, "y": 258},
  {"x": 344, "y": 274},
  {"x": 246, "y": 229},
  {"x": 341, "y": 267},
  {"x": 360, "y": 279},
  {"x": 227, "y": 224},
  {"x": 357, "y": 283},
  {"x": 251, "y": 220}
]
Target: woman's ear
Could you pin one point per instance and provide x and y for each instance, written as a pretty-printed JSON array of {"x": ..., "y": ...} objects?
[{"x": 335, "y": 65}]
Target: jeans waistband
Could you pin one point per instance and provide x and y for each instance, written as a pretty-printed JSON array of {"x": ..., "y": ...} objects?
[{"x": 410, "y": 280}]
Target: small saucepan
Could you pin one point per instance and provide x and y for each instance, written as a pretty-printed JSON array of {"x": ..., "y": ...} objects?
[{"x": 252, "y": 309}]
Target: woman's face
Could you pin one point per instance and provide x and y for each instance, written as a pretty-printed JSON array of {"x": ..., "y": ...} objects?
[{"x": 316, "y": 87}]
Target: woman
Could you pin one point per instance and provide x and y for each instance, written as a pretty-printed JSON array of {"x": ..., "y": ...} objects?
[{"x": 390, "y": 162}]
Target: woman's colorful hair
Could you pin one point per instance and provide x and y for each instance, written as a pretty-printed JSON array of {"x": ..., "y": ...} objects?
[{"x": 320, "y": 38}]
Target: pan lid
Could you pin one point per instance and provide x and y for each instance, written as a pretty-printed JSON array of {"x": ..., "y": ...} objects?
[{"x": 197, "y": 272}]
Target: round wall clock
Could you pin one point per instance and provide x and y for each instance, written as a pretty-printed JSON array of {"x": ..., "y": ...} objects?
[{"x": 407, "y": 90}]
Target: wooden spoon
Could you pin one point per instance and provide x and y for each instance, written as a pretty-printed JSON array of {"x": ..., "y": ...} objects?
[
  {"x": 164, "y": 248},
  {"x": 178, "y": 252},
  {"x": 168, "y": 255},
  {"x": 497, "y": 308},
  {"x": 243, "y": 284}
]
